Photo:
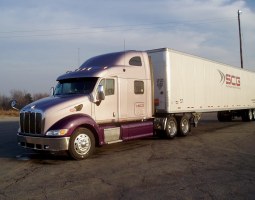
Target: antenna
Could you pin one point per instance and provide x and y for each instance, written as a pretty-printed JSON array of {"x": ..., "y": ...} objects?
[
  {"x": 124, "y": 55},
  {"x": 240, "y": 38}
]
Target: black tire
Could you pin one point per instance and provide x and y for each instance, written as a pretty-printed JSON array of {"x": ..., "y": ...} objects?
[
  {"x": 247, "y": 115},
  {"x": 82, "y": 144},
  {"x": 253, "y": 114},
  {"x": 171, "y": 127},
  {"x": 183, "y": 125}
]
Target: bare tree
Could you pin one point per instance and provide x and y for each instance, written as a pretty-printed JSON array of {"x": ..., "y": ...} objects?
[
  {"x": 38, "y": 96},
  {"x": 22, "y": 97},
  {"x": 4, "y": 102}
]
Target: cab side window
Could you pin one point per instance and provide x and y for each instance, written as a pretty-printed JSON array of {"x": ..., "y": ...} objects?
[
  {"x": 108, "y": 86},
  {"x": 135, "y": 61},
  {"x": 139, "y": 87}
]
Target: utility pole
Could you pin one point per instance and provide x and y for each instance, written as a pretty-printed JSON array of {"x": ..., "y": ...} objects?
[{"x": 240, "y": 37}]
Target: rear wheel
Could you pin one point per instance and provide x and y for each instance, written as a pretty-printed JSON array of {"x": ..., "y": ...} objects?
[
  {"x": 253, "y": 114},
  {"x": 183, "y": 125},
  {"x": 250, "y": 115},
  {"x": 171, "y": 127},
  {"x": 247, "y": 115},
  {"x": 82, "y": 144}
]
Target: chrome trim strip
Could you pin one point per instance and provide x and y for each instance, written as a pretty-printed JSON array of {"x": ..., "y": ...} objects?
[{"x": 25, "y": 121}]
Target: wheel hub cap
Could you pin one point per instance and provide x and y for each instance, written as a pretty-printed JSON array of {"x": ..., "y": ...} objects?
[{"x": 82, "y": 144}]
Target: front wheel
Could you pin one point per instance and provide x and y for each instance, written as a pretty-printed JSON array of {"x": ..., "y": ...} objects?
[{"x": 82, "y": 144}]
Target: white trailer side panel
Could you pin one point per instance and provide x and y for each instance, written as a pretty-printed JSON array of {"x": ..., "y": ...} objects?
[{"x": 186, "y": 83}]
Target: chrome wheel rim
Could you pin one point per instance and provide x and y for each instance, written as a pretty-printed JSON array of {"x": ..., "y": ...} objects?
[
  {"x": 171, "y": 127},
  {"x": 185, "y": 125},
  {"x": 250, "y": 114},
  {"x": 82, "y": 144}
]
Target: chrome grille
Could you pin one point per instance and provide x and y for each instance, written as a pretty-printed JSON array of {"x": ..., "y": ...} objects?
[{"x": 31, "y": 122}]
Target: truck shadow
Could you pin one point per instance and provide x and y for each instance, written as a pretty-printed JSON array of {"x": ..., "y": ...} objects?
[
  {"x": 11, "y": 150},
  {"x": 210, "y": 125}
]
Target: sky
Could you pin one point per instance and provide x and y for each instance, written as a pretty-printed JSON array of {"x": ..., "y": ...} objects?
[{"x": 40, "y": 40}]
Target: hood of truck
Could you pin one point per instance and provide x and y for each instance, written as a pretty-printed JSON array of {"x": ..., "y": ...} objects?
[
  {"x": 56, "y": 102},
  {"x": 55, "y": 108}
]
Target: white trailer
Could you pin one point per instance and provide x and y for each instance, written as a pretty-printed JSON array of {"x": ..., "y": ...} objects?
[{"x": 186, "y": 84}]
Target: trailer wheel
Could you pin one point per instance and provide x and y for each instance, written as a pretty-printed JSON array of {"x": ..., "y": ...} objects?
[
  {"x": 250, "y": 114},
  {"x": 82, "y": 144},
  {"x": 183, "y": 125},
  {"x": 253, "y": 114},
  {"x": 171, "y": 127},
  {"x": 247, "y": 115}
]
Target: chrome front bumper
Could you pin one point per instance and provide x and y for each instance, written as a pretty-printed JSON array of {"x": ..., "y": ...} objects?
[{"x": 46, "y": 144}]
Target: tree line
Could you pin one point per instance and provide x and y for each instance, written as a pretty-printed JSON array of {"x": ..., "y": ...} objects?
[{"x": 22, "y": 97}]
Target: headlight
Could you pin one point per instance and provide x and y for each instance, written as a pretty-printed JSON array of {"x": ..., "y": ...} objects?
[{"x": 59, "y": 132}]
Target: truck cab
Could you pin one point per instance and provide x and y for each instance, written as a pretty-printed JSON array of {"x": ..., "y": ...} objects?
[{"x": 107, "y": 99}]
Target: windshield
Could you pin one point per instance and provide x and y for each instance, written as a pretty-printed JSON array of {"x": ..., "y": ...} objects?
[{"x": 75, "y": 86}]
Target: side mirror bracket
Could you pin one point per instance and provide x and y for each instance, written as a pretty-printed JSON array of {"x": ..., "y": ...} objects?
[
  {"x": 52, "y": 91},
  {"x": 14, "y": 104}
]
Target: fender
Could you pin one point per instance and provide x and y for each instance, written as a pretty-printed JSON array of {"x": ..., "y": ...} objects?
[{"x": 71, "y": 122}]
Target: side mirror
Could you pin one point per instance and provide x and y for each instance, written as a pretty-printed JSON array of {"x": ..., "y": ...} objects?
[
  {"x": 52, "y": 91},
  {"x": 100, "y": 93},
  {"x": 14, "y": 104}
]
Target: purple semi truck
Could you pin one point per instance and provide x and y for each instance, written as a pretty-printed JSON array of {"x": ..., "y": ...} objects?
[{"x": 133, "y": 94}]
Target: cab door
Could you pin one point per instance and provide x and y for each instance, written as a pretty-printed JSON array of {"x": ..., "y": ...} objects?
[{"x": 107, "y": 110}]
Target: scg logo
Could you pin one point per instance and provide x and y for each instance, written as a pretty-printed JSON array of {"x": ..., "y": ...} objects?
[
  {"x": 233, "y": 80},
  {"x": 230, "y": 80}
]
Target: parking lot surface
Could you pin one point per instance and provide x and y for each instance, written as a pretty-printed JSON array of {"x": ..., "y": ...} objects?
[{"x": 216, "y": 161}]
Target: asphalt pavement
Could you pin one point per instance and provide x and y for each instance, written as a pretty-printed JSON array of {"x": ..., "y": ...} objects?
[{"x": 216, "y": 161}]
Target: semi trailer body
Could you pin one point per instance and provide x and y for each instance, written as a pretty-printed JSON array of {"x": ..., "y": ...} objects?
[{"x": 133, "y": 94}]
